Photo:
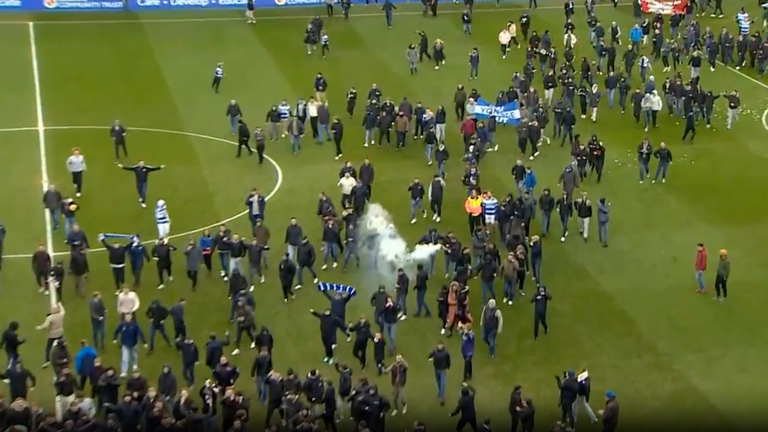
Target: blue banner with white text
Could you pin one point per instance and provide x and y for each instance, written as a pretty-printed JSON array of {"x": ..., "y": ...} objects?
[
  {"x": 53, "y": 5},
  {"x": 138, "y": 5},
  {"x": 507, "y": 114}
]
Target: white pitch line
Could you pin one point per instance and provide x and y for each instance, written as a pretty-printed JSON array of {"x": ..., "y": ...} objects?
[
  {"x": 41, "y": 142},
  {"x": 284, "y": 17},
  {"x": 278, "y": 182}
]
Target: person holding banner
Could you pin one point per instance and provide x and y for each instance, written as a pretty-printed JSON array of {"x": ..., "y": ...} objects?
[{"x": 338, "y": 295}]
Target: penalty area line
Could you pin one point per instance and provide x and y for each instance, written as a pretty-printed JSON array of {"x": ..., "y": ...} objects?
[{"x": 275, "y": 189}]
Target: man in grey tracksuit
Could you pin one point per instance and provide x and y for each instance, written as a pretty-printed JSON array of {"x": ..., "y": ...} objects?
[
  {"x": 569, "y": 180},
  {"x": 603, "y": 211}
]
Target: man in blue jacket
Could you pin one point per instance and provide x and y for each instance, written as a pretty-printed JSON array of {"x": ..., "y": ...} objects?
[
  {"x": 129, "y": 334},
  {"x": 84, "y": 362}
]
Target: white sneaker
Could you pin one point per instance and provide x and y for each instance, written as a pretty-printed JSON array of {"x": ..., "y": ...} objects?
[
  {"x": 405, "y": 409},
  {"x": 424, "y": 215},
  {"x": 135, "y": 367},
  {"x": 336, "y": 158},
  {"x": 365, "y": 145},
  {"x": 373, "y": 142},
  {"x": 235, "y": 352},
  {"x": 530, "y": 158},
  {"x": 226, "y": 279},
  {"x": 297, "y": 287},
  {"x": 251, "y": 288},
  {"x": 161, "y": 286},
  {"x": 536, "y": 154},
  {"x": 143, "y": 205},
  {"x": 442, "y": 331},
  {"x": 253, "y": 345},
  {"x": 77, "y": 194},
  {"x": 437, "y": 219},
  {"x": 562, "y": 239},
  {"x": 316, "y": 280},
  {"x": 394, "y": 413},
  {"x": 653, "y": 181},
  {"x": 262, "y": 279},
  {"x": 641, "y": 182},
  {"x": 403, "y": 317},
  {"x": 170, "y": 278},
  {"x": 413, "y": 221},
  {"x": 434, "y": 217},
  {"x": 663, "y": 180},
  {"x": 334, "y": 265},
  {"x": 324, "y": 267},
  {"x": 496, "y": 147},
  {"x": 437, "y": 67}
]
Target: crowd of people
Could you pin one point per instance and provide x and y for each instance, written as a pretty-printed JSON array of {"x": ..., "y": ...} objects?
[{"x": 93, "y": 396}]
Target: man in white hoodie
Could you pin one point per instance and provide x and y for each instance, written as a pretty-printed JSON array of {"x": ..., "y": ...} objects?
[{"x": 127, "y": 302}]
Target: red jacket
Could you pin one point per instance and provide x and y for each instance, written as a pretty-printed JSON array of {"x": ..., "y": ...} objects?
[
  {"x": 468, "y": 127},
  {"x": 701, "y": 260}
]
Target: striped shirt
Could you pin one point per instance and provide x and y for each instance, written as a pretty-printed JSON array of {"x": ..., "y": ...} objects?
[
  {"x": 76, "y": 163},
  {"x": 324, "y": 39},
  {"x": 334, "y": 287},
  {"x": 743, "y": 21},
  {"x": 285, "y": 110},
  {"x": 490, "y": 206},
  {"x": 218, "y": 72},
  {"x": 161, "y": 213}
]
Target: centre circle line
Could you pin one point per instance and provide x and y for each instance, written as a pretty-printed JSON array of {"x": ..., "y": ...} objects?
[{"x": 275, "y": 189}]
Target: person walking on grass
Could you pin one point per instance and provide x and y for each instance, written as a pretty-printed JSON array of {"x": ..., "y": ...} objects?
[
  {"x": 701, "y": 266},
  {"x": 723, "y": 273}
]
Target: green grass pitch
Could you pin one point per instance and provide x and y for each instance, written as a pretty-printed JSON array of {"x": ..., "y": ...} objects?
[{"x": 628, "y": 313}]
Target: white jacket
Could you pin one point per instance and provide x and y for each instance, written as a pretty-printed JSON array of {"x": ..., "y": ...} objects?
[
  {"x": 128, "y": 302},
  {"x": 656, "y": 103}
]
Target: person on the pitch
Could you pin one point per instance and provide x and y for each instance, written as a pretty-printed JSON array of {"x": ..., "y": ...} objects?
[
  {"x": 243, "y": 136},
  {"x": 141, "y": 171}
]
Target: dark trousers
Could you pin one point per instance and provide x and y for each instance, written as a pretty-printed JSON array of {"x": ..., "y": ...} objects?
[
  {"x": 118, "y": 276},
  {"x": 329, "y": 10},
  {"x": 690, "y": 130},
  {"x": 188, "y": 373},
  {"x": 179, "y": 330},
  {"x": 118, "y": 146},
  {"x": 464, "y": 421},
  {"x": 215, "y": 84},
  {"x": 207, "y": 262},
  {"x": 567, "y": 414},
  {"x": 474, "y": 222},
  {"x": 286, "y": 290},
  {"x": 459, "y": 110},
  {"x": 260, "y": 153},
  {"x": 400, "y": 137},
  {"x": 328, "y": 347},
  {"x": 337, "y": 143},
  {"x": 248, "y": 330},
  {"x": 385, "y": 133},
  {"x": 162, "y": 269},
  {"x": 272, "y": 406},
  {"x": 192, "y": 276},
  {"x": 77, "y": 181},
  {"x": 136, "y": 271},
  {"x": 313, "y": 125},
  {"x": 540, "y": 319},
  {"x": 721, "y": 286},
  {"x": 515, "y": 423},
  {"x": 159, "y": 328},
  {"x": 360, "y": 351},
  {"x": 467, "y": 368},
  {"x": 243, "y": 142},
  {"x": 436, "y": 205}
]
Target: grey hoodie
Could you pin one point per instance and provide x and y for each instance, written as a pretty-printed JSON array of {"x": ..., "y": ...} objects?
[
  {"x": 411, "y": 55},
  {"x": 602, "y": 212},
  {"x": 569, "y": 180}
]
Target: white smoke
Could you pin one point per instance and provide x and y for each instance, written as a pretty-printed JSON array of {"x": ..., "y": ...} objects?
[{"x": 387, "y": 250}]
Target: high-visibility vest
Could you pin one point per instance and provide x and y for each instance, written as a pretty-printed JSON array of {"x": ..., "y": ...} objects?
[{"x": 473, "y": 206}]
